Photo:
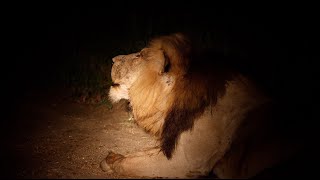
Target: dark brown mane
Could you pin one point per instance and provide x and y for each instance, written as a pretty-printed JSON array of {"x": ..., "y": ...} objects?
[{"x": 201, "y": 79}]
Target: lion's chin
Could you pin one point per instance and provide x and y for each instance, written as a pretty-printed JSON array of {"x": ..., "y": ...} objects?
[{"x": 118, "y": 92}]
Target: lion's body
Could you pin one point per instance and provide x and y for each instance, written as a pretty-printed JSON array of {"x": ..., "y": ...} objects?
[{"x": 203, "y": 115}]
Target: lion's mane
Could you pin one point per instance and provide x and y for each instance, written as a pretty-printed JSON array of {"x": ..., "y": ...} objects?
[{"x": 199, "y": 80}]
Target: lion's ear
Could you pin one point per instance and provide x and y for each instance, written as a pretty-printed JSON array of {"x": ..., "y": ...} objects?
[
  {"x": 165, "y": 64},
  {"x": 158, "y": 59}
]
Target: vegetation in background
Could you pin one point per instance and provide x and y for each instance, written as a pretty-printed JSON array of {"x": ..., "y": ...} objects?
[{"x": 88, "y": 73}]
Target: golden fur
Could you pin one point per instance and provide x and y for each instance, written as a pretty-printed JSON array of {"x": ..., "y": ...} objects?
[
  {"x": 192, "y": 103},
  {"x": 157, "y": 107}
]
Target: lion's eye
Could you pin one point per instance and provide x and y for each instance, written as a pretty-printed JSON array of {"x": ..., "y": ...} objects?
[{"x": 138, "y": 55}]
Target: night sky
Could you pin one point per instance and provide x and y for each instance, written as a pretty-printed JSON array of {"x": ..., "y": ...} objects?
[{"x": 278, "y": 41}]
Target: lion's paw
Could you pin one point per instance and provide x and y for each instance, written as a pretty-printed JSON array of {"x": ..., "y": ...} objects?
[
  {"x": 111, "y": 158},
  {"x": 105, "y": 166}
]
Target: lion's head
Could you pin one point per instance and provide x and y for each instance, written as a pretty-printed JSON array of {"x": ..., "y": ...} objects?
[
  {"x": 152, "y": 61},
  {"x": 166, "y": 86}
]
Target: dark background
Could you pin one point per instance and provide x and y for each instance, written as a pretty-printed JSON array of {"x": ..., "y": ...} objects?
[
  {"x": 276, "y": 44},
  {"x": 40, "y": 38}
]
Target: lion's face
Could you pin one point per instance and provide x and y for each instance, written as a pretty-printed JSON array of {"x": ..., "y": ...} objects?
[
  {"x": 127, "y": 69},
  {"x": 124, "y": 70},
  {"x": 123, "y": 73}
]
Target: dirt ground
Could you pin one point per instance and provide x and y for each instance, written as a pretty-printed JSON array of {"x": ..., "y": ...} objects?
[
  {"x": 55, "y": 137},
  {"x": 50, "y": 135}
]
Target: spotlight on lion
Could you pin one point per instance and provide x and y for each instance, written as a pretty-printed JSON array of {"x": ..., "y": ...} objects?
[{"x": 207, "y": 117}]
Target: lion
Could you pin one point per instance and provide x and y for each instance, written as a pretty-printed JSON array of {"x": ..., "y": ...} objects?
[{"x": 207, "y": 118}]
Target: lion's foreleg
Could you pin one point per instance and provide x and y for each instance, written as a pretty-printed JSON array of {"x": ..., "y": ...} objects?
[
  {"x": 197, "y": 152},
  {"x": 150, "y": 163},
  {"x": 193, "y": 158}
]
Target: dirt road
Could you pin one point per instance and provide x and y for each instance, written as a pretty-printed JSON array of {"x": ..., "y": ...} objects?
[{"x": 55, "y": 137}]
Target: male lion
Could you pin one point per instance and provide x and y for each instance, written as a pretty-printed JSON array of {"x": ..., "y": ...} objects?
[{"x": 206, "y": 117}]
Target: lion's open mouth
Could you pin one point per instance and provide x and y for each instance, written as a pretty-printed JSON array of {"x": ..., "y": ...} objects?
[{"x": 115, "y": 84}]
